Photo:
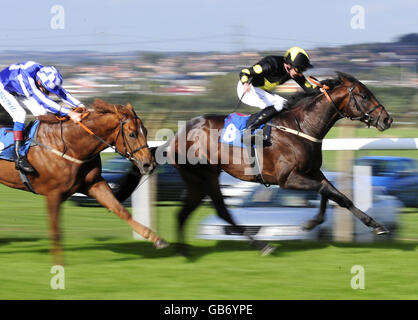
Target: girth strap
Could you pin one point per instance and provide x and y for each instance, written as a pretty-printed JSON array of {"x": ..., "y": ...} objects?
[
  {"x": 26, "y": 182},
  {"x": 257, "y": 168}
]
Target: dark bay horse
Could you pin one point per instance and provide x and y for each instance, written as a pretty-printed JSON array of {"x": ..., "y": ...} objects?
[
  {"x": 59, "y": 175},
  {"x": 290, "y": 161}
]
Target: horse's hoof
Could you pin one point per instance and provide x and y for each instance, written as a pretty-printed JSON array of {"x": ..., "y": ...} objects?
[
  {"x": 309, "y": 225},
  {"x": 267, "y": 250},
  {"x": 380, "y": 230},
  {"x": 161, "y": 244}
]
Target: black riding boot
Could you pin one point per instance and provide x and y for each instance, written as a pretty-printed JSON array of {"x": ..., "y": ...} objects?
[
  {"x": 21, "y": 162},
  {"x": 264, "y": 115}
]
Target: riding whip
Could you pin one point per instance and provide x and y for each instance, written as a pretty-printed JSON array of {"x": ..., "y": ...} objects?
[
  {"x": 239, "y": 102},
  {"x": 240, "y": 99}
]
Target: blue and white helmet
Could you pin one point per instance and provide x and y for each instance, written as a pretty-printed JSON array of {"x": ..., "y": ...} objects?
[{"x": 50, "y": 78}]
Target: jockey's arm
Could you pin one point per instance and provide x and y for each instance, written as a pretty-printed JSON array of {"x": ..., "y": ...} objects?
[
  {"x": 305, "y": 84},
  {"x": 31, "y": 90},
  {"x": 257, "y": 71},
  {"x": 69, "y": 99}
]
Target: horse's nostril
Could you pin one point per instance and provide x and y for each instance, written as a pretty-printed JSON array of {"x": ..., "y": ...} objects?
[{"x": 146, "y": 165}]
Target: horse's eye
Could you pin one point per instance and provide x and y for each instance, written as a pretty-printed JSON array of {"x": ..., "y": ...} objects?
[
  {"x": 364, "y": 96},
  {"x": 133, "y": 135}
]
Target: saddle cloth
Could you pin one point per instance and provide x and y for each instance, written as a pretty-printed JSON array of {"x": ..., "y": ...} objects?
[
  {"x": 233, "y": 129},
  {"x": 7, "y": 151}
]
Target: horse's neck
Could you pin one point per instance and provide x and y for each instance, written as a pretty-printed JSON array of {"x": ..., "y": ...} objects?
[
  {"x": 317, "y": 118},
  {"x": 102, "y": 126},
  {"x": 76, "y": 141}
]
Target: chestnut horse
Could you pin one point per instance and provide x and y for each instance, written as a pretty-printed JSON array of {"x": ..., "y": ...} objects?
[
  {"x": 291, "y": 161},
  {"x": 66, "y": 159}
]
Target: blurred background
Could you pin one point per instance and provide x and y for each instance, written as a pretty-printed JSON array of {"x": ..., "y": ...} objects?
[
  {"x": 167, "y": 87},
  {"x": 174, "y": 60}
]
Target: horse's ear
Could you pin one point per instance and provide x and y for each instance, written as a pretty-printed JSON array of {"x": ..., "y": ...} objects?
[
  {"x": 131, "y": 108},
  {"x": 120, "y": 116}
]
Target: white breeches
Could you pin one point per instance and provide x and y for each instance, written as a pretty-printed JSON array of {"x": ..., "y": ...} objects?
[
  {"x": 259, "y": 98},
  {"x": 16, "y": 105}
]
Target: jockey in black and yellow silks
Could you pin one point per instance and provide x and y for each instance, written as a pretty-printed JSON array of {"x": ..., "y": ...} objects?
[{"x": 256, "y": 83}]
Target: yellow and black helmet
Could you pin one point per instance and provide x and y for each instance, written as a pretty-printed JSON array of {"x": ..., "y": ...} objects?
[{"x": 297, "y": 57}]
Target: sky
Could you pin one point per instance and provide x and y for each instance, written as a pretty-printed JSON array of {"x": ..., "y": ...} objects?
[{"x": 200, "y": 25}]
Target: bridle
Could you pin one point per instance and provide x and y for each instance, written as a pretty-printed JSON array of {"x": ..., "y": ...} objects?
[
  {"x": 365, "y": 117},
  {"x": 126, "y": 154}
]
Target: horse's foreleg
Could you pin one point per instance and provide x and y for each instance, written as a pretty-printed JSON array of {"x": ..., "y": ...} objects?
[
  {"x": 103, "y": 194},
  {"x": 195, "y": 194},
  {"x": 193, "y": 200},
  {"x": 54, "y": 201},
  {"x": 325, "y": 188},
  {"x": 332, "y": 193}
]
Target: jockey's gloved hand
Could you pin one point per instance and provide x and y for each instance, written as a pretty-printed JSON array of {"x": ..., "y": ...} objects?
[{"x": 75, "y": 116}]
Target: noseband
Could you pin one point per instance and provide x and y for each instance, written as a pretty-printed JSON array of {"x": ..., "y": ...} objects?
[{"x": 366, "y": 117}]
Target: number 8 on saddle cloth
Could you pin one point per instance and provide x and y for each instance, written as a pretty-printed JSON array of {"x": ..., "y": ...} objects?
[{"x": 234, "y": 125}]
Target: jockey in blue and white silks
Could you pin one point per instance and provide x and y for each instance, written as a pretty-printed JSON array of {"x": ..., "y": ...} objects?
[{"x": 27, "y": 86}]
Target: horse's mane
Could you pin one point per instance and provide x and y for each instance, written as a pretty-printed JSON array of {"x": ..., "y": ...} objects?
[
  {"x": 331, "y": 83},
  {"x": 103, "y": 107},
  {"x": 49, "y": 118},
  {"x": 99, "y": 106},
  {"x": 298, "y": 97}
]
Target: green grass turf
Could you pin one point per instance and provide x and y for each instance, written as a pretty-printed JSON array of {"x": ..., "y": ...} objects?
[{"x": 102, "y": 261}]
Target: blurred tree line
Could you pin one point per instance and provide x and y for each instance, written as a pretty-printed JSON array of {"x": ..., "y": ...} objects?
[{"x": 164, "y": 111}]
